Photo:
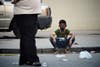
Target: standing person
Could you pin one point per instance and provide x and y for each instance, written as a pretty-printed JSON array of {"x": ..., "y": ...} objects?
[
  {"x": 59, "y": 37},
  {"x": 26, "y": 12}
]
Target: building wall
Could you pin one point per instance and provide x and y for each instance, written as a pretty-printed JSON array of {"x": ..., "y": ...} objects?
[{"x": 79, "y": 14}]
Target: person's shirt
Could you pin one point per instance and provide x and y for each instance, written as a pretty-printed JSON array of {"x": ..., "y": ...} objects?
[
  {"x": 27, "y": 7},
  {"x": 62, "y": 34}
]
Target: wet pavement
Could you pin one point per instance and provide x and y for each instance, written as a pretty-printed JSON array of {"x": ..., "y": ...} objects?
[{"x": 54, "y": 60}]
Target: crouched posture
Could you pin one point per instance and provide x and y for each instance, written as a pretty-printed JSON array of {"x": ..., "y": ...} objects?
[{"x": 62, "y": 37}]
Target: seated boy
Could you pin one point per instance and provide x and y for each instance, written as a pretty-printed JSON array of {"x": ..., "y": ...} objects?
[{"x": 62, "y": 37}]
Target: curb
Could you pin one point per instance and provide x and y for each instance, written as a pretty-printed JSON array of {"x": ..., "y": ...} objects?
[{"x": 51, "y": 50}]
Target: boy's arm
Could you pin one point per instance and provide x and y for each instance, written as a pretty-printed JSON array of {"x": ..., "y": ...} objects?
[
  {"x": 72, "y": 37},
  {"x": 53, "y": 35}
]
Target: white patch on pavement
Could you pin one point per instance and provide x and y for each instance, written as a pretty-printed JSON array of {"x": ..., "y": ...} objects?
[
  {"x": 85, "y": 55},
  {"x": 60, "y": 55}
]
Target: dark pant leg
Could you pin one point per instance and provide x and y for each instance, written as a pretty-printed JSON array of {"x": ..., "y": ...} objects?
[
  {"x": 52, "y": 42},
  {"x": 12, "y": 24},
  {"x": 28, "y": 28},
  {"x": 67, "y": 42}
]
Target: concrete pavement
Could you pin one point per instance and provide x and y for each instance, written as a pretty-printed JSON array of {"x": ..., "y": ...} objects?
[{"x": 53, "y": 60}]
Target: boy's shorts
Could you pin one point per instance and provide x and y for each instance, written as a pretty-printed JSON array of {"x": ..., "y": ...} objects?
[{"x": 62, "y": 43}]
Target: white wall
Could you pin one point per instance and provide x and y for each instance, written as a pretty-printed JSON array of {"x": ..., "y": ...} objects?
[{"x": 79, "y": 14}]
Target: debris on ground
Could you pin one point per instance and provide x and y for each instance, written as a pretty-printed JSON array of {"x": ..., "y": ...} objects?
[{"x": 85, "y": 55}]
